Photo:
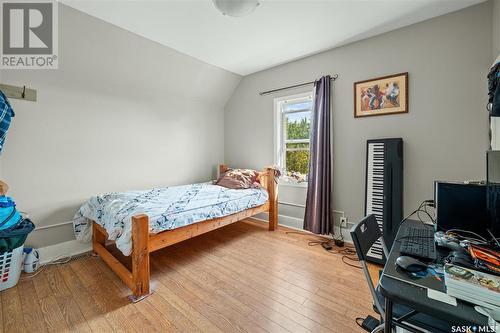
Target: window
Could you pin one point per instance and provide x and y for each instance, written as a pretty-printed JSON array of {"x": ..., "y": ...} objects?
[{"x": 292, "y": 135}]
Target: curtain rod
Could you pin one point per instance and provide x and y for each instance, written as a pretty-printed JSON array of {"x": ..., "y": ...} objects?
[{"x": 262, "y": 93}]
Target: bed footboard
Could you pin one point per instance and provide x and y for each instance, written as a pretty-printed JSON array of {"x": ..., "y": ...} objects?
[
  {"x": 140, "y": 257},
  {"x": 137, "y": 279}
]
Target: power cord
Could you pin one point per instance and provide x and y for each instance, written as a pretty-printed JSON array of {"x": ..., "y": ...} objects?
[
  {"x": 460, "y": 232},
  {"x": 348, "y": 253},
  {"x": 368, "y": 324},
  {"x": 422, "y": 208},
  {"x": 64, "y": 259},
  {"x": 339, "y": 241}
]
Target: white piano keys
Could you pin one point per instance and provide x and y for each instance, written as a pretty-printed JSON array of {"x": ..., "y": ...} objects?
[{"x": 375, "y": 191}]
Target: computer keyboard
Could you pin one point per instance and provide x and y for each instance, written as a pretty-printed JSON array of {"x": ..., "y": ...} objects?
[{"x": 419, "y": 242}]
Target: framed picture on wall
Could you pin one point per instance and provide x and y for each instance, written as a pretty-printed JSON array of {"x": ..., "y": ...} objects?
[{"x": 381, "y": 96}]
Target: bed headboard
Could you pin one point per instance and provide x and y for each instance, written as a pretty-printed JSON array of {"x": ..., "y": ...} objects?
[
  {"x": 267, "y": 177},
  {"x": 268, "y": 181}
]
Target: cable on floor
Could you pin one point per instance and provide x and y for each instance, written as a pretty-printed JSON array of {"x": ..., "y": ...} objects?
[
  {"x": 357, "y": 321},
  {"x": 304, "y": 234},
  {"x": 346, "y": 253},
  {"x": 64, "y": 259},
  {"x": 344, "y": 258}
]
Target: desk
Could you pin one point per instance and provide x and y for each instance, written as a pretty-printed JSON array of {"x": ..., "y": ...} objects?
[{"x": 400, "y": 292}]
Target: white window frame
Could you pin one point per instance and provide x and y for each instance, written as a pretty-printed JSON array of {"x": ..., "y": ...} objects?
[{"x": 279, "y": 134}]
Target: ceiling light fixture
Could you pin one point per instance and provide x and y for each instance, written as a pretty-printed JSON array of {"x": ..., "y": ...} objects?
[{"x": 236, "y": 8}]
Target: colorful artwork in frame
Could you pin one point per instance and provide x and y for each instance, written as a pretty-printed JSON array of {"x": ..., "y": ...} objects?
[{"x": 381, "y": 96}]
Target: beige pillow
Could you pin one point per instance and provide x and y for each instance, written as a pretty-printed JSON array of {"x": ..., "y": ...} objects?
[{"x": 239, "y": 179}]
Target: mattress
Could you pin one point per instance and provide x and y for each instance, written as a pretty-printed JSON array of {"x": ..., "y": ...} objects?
[{"x": 167, "y": 208}]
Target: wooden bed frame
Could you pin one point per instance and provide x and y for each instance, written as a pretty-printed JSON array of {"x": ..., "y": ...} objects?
[{"x": 143, "y": 243}]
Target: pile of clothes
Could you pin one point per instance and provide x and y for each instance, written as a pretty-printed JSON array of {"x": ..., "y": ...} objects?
[
  {"x": 494, "y": 90},
  {"x": 14, "y": 229}
]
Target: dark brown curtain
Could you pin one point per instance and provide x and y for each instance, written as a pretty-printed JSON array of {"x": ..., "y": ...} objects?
[{"x": 318, "y": 215}]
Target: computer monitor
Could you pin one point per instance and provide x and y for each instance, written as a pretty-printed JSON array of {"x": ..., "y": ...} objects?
[{"x": 461, "y": 206}]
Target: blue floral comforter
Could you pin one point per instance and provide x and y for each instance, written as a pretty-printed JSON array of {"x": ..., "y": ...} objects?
[{"x": 168, "y": 208}]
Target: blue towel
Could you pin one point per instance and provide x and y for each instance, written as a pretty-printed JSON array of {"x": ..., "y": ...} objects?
[
  {"x": 9, "y": 216},
  {"x": 6, "y": 114}
]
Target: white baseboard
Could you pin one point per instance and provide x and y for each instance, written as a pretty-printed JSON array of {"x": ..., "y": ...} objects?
[
  {"x": 64, "y": 249},
  {"x": 284, "y": 220},
  {"x": 296, "y": 223},
  {"x": 263, "y": 218}
]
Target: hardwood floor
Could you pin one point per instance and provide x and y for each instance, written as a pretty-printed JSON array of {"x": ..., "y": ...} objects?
[{"x": 241, "y": 278}]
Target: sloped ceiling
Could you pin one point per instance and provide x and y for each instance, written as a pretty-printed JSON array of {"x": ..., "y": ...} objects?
[{"x": 275, "y": 33}]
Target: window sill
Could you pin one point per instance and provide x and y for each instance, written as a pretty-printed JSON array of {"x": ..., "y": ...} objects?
[{"x": 291, "y": 184}]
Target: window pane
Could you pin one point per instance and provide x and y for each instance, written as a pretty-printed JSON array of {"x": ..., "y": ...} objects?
[
  {"x": 297, "y": 161},
  {"x": 304, "y": 145},
  {"x": 305, "y": 105},
  {"x": 297, "y": 125}
]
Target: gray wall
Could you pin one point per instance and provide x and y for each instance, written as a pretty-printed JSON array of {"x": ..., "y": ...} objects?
[
  {"x": 120, "y": 113},
  {"x": 496, "y": 28},
  {"x": 445, "y": 131}
]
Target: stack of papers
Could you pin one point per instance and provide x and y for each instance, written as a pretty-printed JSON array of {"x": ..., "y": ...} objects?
[{"x": 472, "y": 286}]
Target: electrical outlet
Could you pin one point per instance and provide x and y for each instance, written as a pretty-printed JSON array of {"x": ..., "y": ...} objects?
[{"x": 343, "y": 221}]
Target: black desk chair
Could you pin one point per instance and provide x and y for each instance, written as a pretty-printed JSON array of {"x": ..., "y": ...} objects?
[{"x": 364, "y": 235}]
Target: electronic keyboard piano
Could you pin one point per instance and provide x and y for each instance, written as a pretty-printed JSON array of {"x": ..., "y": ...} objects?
[{"x": 384, "y": 190}]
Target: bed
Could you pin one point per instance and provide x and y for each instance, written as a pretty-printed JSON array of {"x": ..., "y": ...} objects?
[{"x": 141, "y": 222}]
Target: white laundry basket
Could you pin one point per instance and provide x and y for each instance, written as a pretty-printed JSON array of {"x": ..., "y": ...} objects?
[{"x": 10, "y": 267}]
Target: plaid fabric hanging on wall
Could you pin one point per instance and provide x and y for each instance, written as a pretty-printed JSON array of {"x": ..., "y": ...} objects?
[{"x": 6, "y": 114}]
